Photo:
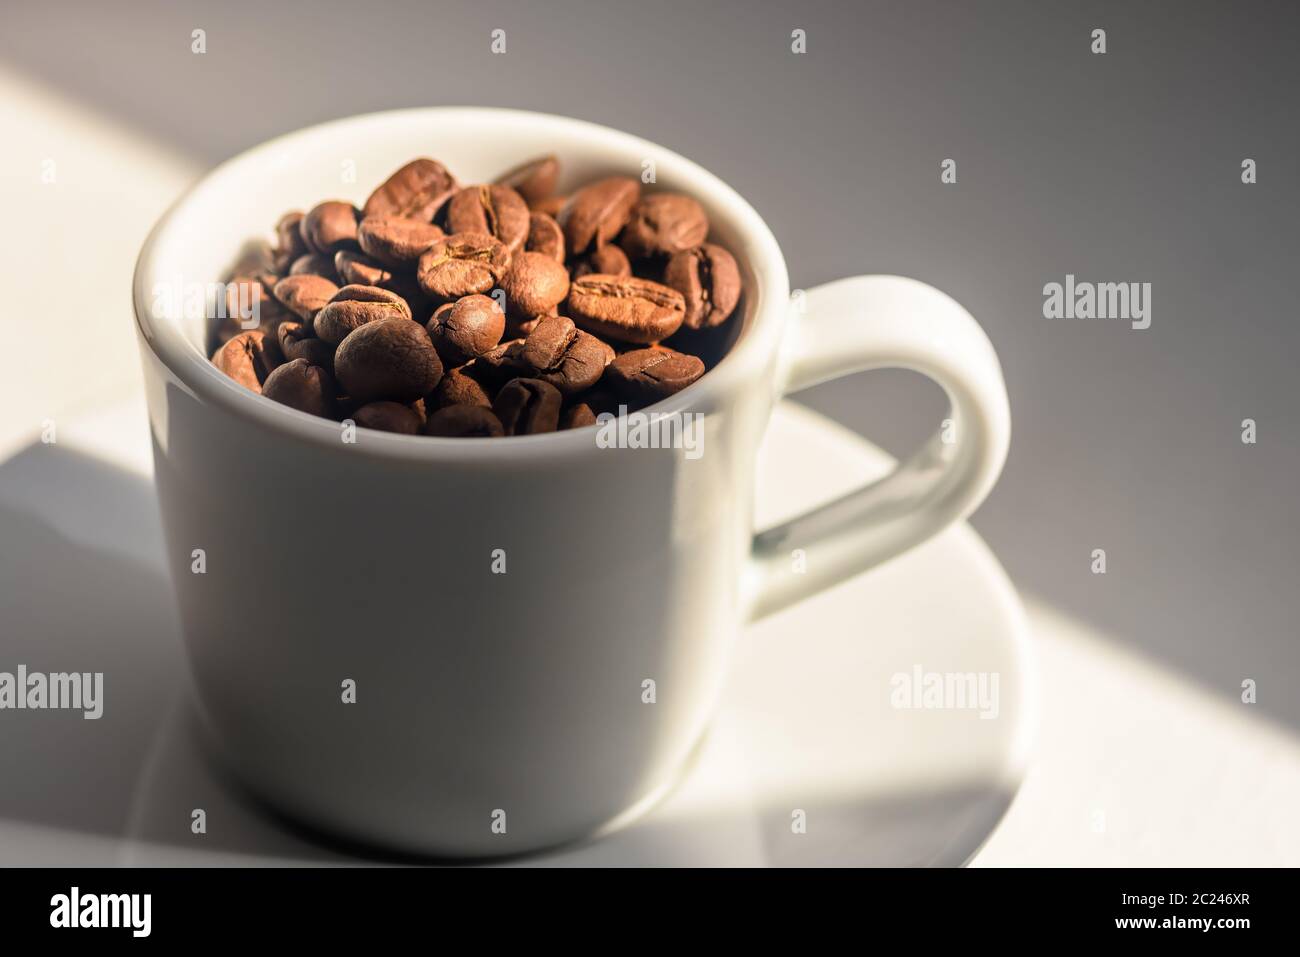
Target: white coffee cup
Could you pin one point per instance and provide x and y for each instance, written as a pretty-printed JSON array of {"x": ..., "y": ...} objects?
[{"x": 500, "y": 712}]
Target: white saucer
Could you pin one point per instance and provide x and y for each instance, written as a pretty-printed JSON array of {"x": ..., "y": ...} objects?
[{"x": 807, "y": 724}]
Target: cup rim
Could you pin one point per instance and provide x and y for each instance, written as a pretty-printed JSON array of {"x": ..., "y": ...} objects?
[{"x": 744, "y": 360}]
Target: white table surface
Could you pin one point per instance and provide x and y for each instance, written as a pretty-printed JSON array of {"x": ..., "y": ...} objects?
[{"x": 1134, "y": 765}]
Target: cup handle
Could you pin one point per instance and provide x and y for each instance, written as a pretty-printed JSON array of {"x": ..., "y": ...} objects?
[{"x": 873, "y": 322}]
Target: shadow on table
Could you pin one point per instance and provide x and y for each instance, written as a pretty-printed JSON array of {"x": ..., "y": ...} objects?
[{"x": 83, "y": 589}]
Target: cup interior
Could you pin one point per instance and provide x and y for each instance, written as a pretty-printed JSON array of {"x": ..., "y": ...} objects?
[{"x": 200, "y": 238}]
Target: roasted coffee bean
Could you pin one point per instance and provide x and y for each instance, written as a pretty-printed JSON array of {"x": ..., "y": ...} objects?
[
  {"x": 709, "y": 281},
  {"x": 527, "y": 407},
  {"x": 296, "y": 343},
  {"x": 463, "y": 264},
  {"x": 595, "y": 214},
  {"x": 545, "y": 236},
  {"x": 356, "y": 269},
  {"x": 387, "y": 359},
  {"x": 304, "y": 294},
  {"x": 577, "y": 416},
  {"x": 627, "y": 271},
  {"x": 256, "y": 258},
  {"x": 626, "y": 309},
  {"x": 354, "y": 306},
  {"x": 534, "y": 285},
  {"x": 498, "y": 366},
  {"x": 648, "y": 375},
  {"x": 663, "y": 224},
  {"x": 460, "y": 387},
  {"x": 404, "y": 285},
  {"x": 416, "y": 191},
  {"x": 550, "y": 206},
  {"x": 246, "y": 295},
  {"x": 314, "y": 264},
  {"x": 517, "y": 327},
  {"x": 267, "y": 279},
  {"x": 302, "y": 386},
  {"x": 249, "y": 358},
  {"x": 607, "y": 260},
  {"x": 231, "y": 326},
  {"x": 610, "y": 353},
  {"x": 345, "y": 406},
  {"x": 329, "y": 227},
  {"x": 396, "y": 242},
  {"x": 603, "y": 400},
  {"x": 495, "y": 210},
  {"x": 464, "y": 422},
  {"x": 247, "y": 299},
  {"x": 388, "y": 417},
  {"x": 547, "y": 344},
  {"x": 291, "y": 245},
  {"x": 466, "y": 328},
  {"x": 534, "y": 180},
  {"x": 560, "y": 353}
]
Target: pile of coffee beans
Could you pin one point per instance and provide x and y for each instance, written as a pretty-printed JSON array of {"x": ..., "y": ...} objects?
[{"x": 482, "y": 310}]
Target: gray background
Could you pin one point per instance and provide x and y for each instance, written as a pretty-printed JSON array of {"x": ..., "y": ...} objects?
[{"x": 1122, "y": 167}]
